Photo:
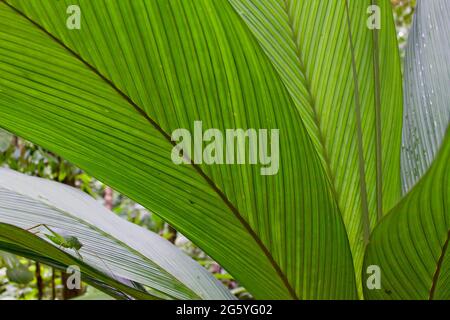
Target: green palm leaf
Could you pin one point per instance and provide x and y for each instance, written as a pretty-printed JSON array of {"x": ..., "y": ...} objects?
[
  {"x": 348, "y": 98},
  {"x": 111, "y": 245},
  {"x": 411, "y": 244},
  {"x": 108, "y": 96}
]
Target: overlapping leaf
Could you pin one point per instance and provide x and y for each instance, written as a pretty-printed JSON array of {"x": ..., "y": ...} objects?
[
  {"x": 427, "y": 79},
  {"x": 348, "y": 94},
  {"x": 108, "y": 96},
  {"x": 111, "y": 245},
  {"x": 411, "y": 245},
  {"x": 24, "y": 243}
]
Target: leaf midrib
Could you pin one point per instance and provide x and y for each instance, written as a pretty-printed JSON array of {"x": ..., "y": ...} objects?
[
  {"x": 321, "y": 136},
  {"x": 207, "y": 179},
  {"x": 437, "y": 273},
  {"x": 361, "y": 160},
  {"x": 378, "y": 120},
  {"x": 312, "y": 101}
]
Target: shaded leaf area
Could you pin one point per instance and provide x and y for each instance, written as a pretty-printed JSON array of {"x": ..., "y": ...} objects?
[
  {"x": 110, "y": 244},
  {"x": 108, "y": 96},
  {"x": 5, "y": 140},
  {"x": 427, "y": 79},
  {"x": 411, "y": 244},
  {"x": 23, "y": 243},
  {"x": 94, "y": 294}
]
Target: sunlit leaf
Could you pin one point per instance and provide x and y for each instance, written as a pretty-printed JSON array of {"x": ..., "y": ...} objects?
[{"x": 108, "y": 96}]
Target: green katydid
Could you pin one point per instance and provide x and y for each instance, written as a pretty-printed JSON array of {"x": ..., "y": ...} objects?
[
  {"x": 66, "y": 241},
  {"x": 63, "y": 241}
]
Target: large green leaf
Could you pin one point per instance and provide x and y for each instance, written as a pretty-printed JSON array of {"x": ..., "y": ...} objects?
[
  {"x": 427, "y": 79},
  {"x": 411, "y": 244},
  {"x": 108, "y": 96},
  {"x": 348, "y": 94},
  {"x": 116, "y": 247}
]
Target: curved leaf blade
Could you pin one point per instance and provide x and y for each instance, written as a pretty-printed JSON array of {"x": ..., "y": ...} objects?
[
  {"x": 24, "y": 243},
  {"x": 122, "y": 95},
  {"x": 427, "y": 78},
  {"x": 110, "y": 244},
  {"x": 352, "y": 117},
  {"x": 411, "y": 243},
  {"x": 5, "y": 140}
]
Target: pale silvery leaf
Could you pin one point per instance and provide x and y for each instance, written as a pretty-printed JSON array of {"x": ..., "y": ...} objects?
[{"x": 426, "y": 89}]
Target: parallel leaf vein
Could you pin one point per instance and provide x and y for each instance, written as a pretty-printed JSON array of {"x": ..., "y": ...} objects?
[{"x": 207, "y": 179}]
